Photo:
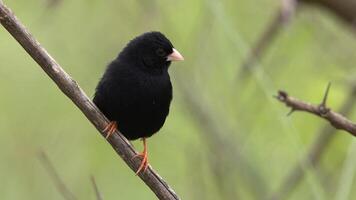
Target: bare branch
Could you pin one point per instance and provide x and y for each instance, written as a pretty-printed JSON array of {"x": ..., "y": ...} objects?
[
  {"x": 336, "y": 120},
  {"x": 61, "y": 187},
  {"x": 315, "y": 152},
  {"x": 96, "y": 189},
  {"x": 72, "y": 90}
]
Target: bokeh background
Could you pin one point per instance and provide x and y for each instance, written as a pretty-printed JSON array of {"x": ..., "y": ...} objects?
[{"x": 226, "y": 136}]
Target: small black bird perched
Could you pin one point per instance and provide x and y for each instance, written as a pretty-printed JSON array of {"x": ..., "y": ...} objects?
[{"x": 135, "y": 91}]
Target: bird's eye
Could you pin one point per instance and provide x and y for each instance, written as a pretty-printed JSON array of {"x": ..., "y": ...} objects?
[{"x": 160, "y": 52}]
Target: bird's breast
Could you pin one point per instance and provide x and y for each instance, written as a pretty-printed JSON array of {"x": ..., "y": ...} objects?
[
  {"x": 147, "y": 111},
  {"x": 156, "y": 91}
]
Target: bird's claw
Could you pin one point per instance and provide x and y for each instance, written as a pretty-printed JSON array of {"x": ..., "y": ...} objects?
[
  {"x": 144, "y": 162},
  {"x": 110, "y": 129}
]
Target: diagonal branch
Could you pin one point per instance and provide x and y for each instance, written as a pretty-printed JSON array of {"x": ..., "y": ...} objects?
[
  {"x": 336, "y": 120},
  {"x": 72, "y": 90}
]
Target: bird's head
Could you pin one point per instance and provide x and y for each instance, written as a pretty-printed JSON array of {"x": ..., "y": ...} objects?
[{"x": 152, "y": 49}]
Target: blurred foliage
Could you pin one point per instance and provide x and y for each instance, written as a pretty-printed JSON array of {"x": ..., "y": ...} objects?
[{"x": 214, "y": 37}]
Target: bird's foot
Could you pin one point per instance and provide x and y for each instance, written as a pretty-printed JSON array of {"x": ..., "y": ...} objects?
[
  {"x": 144, "y": 156},
  {"x": 110, "y": 129},
  {"x": 144, "y": 163}
]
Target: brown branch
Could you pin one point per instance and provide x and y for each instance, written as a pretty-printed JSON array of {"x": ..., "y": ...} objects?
[
  {"x": 315, "y": 152},
  {"x": 61, "y": 187},
  {"x": 336, "y": 120},
  {"x": 96, "y": 189},
  {"x": 72, "y": 90}
]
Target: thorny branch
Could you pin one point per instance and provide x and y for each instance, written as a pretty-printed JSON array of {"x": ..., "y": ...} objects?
[
  {"x": 324, "y": 136},
  {"x": 73, "y": 91},
  {"x": 336, "y": 120},
  {"x": 345, "y": 10}
]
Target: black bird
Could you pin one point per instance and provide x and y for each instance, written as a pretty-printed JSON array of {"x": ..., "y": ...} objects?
[{"x": 135, "y": 91}]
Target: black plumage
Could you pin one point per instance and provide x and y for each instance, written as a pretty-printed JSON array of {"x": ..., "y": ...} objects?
[{"x": 135, "y": 90}]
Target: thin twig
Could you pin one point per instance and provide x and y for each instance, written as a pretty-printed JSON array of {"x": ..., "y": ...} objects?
[
  {"x": 60, "y": 185},
  {"x": 96, "y": 189},
  {"x": 315, "y": 152},
  {"x": 72, "y": 90},
  {"x": 336, "y": 120}
]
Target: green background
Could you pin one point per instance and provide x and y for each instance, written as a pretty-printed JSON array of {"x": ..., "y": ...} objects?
[{"x": 225, "y": 138}]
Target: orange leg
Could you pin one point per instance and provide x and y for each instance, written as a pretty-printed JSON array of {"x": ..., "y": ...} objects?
[
  {"x": 110, "y": 128},
  {"x": 144, "y": 156}
]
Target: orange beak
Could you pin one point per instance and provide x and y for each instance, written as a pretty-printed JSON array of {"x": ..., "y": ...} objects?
[{"x": 175, "y": 56}]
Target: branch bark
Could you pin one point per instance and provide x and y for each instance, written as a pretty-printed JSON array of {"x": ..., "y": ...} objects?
[
  {"x": 316, "y": 151},
  {"x": 72, "y": 90},
  {"x": 336, "y": 120}
]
